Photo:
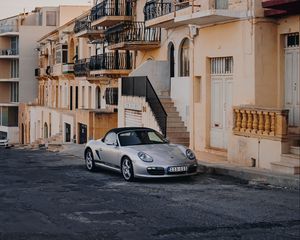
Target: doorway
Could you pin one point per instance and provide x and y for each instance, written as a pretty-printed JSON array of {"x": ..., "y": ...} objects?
[
  {"x": 82, "y": 133},
  {"x": 221, "y": 101},
  {"x": 292, "y": 78},
  {"x": 67, "y": 132}
]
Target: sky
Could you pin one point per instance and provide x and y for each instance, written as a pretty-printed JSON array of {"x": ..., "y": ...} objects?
[{"x": 13, "y": 7}]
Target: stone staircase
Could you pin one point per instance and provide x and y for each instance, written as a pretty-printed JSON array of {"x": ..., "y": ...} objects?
[
  {"x": 290, "y": 161},
  {"x": 176, "y": 131},
  {"x": 54, "y": 141}
]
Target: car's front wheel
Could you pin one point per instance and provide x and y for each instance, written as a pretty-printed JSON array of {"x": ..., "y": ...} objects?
[
  {"x": 127, "y": 169},
  {"x": 89, "y": 160}
]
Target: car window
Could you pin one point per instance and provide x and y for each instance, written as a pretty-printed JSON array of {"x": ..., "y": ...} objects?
[
  {"x": 110, "y": 138},
  {"x": 139, "y": 137}
]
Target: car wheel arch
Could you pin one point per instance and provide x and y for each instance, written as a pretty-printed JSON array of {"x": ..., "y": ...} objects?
[{"x": 87, "y": 148}]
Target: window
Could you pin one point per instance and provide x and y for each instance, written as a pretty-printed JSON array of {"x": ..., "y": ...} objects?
[
  {"x": 111, "y": 96},
  {"x": 9, "y": 116},
  {"x": 14, "y": 92},
  {"x": 64, "y": 53},
  {"x": 222, "y": 65},
  {"x": 221, "y": 4},
  {"x": 184, "y": 59},
  {"x": 51, "y": 18},
  {"x": 14, "y": 68},
  {"x": 111, "y": 138},
  {"x": 14, "y": 45},
  {"x": 292, "y": 40}
]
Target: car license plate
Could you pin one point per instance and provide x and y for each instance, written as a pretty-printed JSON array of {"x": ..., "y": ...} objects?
[{"x": 178, "y": 169}]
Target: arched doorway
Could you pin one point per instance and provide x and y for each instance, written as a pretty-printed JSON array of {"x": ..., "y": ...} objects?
[
  {"x": 171, "y": 58},
  {"x": 45, "y": 130},
  {"x": 98, "y": 97}
]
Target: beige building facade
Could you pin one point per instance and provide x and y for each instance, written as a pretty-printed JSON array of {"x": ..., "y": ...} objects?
[
  {"x": 18, "y": 59},
  {"x": 219, "y": 76}
]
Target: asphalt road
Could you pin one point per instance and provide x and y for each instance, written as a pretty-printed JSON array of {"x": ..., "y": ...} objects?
[{"x": 46, "y": 195}]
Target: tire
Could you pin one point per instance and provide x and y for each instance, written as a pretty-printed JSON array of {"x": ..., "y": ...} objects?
[
  {"x": 89, "y": 160},
  {"x": 127, "y": 170}
]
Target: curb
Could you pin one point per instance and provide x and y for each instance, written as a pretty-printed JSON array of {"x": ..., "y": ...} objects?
[{"x": 251, "y": 175}]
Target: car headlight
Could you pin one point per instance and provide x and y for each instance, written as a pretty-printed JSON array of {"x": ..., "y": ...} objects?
[
  {"x": 190, "y": 155},
  {"x": 145, "y": 157}
]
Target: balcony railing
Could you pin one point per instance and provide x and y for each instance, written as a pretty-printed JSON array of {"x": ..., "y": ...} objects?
[
  {"x": 9, "y": 52},
  {"x": 81, "y": 67},
  {"x": 111, "y": 8},
  {"x": 68, "y": 68},
  {"x": 259, "y": 122},
  {"x": 132, "y": 32},
  {"x": 8, "y": 28},
  {"x": 156, "y": 9},
  {"x": 82, "y": 24},
  {"x": 111, "y": 61}
]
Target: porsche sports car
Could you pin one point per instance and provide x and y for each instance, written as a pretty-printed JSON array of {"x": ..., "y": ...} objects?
[{"x": 139, "y": 153}]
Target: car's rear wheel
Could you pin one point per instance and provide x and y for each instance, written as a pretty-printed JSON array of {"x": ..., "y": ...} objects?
[
  {"x": 89, "y": 160},
  {"x": 127, "y": 169}
]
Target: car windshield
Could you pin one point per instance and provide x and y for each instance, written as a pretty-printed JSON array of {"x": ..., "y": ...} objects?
[{"x": 140, "y": 137}]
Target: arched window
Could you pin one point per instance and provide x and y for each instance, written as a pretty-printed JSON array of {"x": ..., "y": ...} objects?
[
  {"x": 184, "y": 59},
  {"x": 171, "y": 58}
]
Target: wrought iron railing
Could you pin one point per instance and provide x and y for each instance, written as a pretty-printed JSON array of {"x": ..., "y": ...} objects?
[
  {"x": 142, "y": 87},
  {"x": 82, "y": 24},
  {"x": 111, "y": 8},
  {"x": 158, "y": 8},
  {"x": 8, "y": 52},
  {"x": 81, "y": 67},
  {"x": 132, "y": 32},
  {"x": 111, "y": 61}
]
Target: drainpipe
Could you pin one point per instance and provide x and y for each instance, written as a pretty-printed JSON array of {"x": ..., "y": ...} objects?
[{"x": 192, "y": 99}]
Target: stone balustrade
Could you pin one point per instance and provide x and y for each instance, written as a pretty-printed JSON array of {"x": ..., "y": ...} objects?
[{"x": 252, "y": 121}]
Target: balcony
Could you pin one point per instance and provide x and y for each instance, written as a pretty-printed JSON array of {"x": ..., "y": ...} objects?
[
  {"x": 159, "y": 14},
  {"x": 278, "y": 8},
  {"x": 82, "y": 68},
  {"x": 60, "y": 69},
  {"x": 83, "y": 28},
  {"x": 168, "y": 14},
  {"x": 112, "y": 64},
  {"x": 9, "y": 53},
  {"x": 109, "y": 12},
  {"x": 257, "y": 122},
  {"x": 9, "y": 30},
  {"x": 132, "y": 36}
]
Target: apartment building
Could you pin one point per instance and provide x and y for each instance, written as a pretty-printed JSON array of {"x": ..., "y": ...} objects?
[
  {"x": 18, "y": 56},
  {"x": 77, "y": 86}
]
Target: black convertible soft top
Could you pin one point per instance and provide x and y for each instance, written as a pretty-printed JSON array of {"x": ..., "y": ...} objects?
[{"x": 124, "y": 129}]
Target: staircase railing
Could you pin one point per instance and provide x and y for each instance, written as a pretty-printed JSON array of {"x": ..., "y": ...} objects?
[{"x": 142, "y": 87}]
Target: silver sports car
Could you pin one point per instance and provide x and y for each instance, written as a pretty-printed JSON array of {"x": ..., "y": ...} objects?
[{"x": 140, "y": 153}]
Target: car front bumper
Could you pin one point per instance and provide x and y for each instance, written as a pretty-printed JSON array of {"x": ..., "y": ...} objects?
[{"x": 162, "y": 171}]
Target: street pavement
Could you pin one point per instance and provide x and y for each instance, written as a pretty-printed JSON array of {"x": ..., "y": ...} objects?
[{"x": 46, "y": 195}]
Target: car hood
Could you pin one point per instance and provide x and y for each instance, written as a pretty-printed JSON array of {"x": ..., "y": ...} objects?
[{"x": 163, "y": 153}]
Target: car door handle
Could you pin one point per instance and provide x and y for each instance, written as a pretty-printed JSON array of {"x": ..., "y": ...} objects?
[{"x": 100, "y": 149}]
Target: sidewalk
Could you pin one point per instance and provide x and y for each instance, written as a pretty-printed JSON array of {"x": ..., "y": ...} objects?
[{"x": 216, "y": 164}]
